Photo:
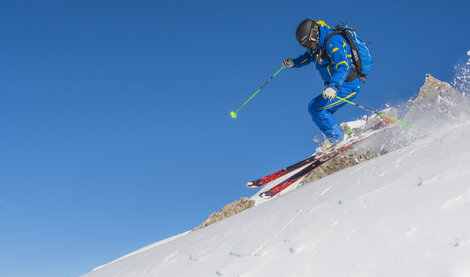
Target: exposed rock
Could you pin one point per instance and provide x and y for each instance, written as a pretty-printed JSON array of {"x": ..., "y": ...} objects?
[
  {"x": 231, "y": 209},
  {"x": 436, "y": 96},
  {"x": 339, "y": 163}
]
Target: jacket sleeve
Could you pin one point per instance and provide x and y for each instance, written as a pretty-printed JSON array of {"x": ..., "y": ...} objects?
[
  {"x": 304, "y": 59},
  {"x": 338, "y": 52}
]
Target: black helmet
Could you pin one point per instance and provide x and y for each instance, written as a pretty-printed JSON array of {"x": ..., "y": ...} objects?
[{"x": 307, "y": 32}]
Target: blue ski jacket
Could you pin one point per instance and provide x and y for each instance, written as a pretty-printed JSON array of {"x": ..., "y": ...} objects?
[{"x": 334, "y": 72}]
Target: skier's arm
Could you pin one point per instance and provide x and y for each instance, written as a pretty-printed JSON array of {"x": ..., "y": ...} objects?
[
  {"x": 338, "y": 51},
  {"x": 304, "y": 59}
]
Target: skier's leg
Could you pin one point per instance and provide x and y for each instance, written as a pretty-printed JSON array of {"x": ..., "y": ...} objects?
[
  {"x": 322, "y": 110},
  {"x": 324, "y": 119}
]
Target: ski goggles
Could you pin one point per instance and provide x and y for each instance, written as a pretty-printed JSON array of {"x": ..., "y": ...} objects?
[{"x": 312, "y": 39}]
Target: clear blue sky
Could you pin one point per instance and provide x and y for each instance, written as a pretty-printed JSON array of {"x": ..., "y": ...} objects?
[{"x": 114, "y": 115}]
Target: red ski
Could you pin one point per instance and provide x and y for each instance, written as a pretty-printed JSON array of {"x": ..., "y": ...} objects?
[
  {"x": 304, "y": 172},
  {"x": 312, "y": 159}
]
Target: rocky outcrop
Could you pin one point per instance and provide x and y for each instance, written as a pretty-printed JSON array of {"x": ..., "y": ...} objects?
[
  {"x": 227, "y": 211},
  {"x": 339, "y": 163},
  {"x": 437, "y": 99}
]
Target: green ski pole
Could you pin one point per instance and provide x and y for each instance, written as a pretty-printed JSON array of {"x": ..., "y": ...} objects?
[
  {"x": 234, "y": 114},
  {"x": 381, "y": 114}
]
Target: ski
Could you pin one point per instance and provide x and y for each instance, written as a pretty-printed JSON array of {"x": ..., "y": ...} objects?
[
  {"x": 304, "y": 172},
  {"x": 312, "y": 159},
  {"x": 271, "y": 177},
  {"x": 383, "y": 125},
  {"x": 315, "y": 159}
]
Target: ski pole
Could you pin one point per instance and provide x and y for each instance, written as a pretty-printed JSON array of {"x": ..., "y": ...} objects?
[
  {"x": 380, "y": 114},
  {"x": 234, "y": 114}
]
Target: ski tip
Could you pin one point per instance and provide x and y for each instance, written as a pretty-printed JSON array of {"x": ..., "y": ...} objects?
[
  {"x": 265, "y": 195},
  {"x": 254, "y": 184}
]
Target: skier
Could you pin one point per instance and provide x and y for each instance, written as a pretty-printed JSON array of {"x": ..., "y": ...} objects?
[{"x": 338, "y": 72}]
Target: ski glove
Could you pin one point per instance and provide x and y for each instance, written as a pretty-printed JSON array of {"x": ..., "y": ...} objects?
[
  {"x": 288, "y": 62},
  {"x": 329, "y": 93}
]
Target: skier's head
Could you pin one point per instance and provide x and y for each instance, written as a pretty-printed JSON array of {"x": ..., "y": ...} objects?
[{"x": 307, "y": 34}]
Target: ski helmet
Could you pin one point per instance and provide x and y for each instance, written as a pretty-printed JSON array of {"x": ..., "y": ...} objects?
[{"x": 307, "y": 32}]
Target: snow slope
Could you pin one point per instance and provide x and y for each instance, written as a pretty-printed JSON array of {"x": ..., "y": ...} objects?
[{"x": 406, "y": 213}]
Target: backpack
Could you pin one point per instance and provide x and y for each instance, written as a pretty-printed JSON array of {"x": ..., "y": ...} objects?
[{"x": 360, "y": 53}]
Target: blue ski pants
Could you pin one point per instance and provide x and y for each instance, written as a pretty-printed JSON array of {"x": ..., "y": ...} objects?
[{"x": 322, "y": 110}]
